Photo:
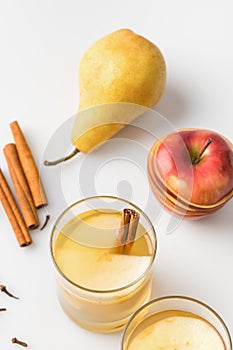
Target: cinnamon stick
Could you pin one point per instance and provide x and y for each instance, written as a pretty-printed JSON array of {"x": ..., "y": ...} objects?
[
  {"x": 128, "y": 228},
  {"x": 13, "y": 213},
  {"x": 134, "y": 221},
  {"x": 124, "y": 227},
  {"x": 29, "y": 166},
  {"x": 21, "y": 187}
]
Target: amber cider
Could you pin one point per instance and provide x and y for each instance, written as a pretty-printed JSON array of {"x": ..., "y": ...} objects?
[
  {"x": 101, "y": 284},
  {"x": 174, "y": 330}
]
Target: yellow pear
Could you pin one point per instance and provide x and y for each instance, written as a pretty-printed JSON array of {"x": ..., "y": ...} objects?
[
  {"x": 119, "y": 75},
  {"x": 121, "y": 67}
]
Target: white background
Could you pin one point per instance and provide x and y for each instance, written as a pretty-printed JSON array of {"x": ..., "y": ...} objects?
[{"x": 41, "y": 44}]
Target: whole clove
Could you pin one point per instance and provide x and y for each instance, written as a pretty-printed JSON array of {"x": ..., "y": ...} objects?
[
  {"x": 16, "y": 341},
  {"x": 45, "y": 223},
  {"x": 4, "y": 290}
]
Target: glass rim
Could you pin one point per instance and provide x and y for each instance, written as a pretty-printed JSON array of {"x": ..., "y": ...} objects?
[
  {"x": 104, "y": 291},
  {"x": 180, "y": 297}
]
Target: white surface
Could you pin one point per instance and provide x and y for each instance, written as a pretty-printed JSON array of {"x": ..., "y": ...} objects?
[{"x": 42, "y": 43}]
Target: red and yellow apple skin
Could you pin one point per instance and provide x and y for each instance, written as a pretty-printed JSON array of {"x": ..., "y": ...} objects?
[{"x": 185, "y": 183}]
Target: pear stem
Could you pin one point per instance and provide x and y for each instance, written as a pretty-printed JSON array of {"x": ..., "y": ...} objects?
[
  {"x": 197, "y": 159},
  {"x": 64, "y": 159}
]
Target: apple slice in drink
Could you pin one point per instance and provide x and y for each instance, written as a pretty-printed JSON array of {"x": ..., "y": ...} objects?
[
  {"x": 179, "y": 333},
  {"x": 103, "y": 270}
]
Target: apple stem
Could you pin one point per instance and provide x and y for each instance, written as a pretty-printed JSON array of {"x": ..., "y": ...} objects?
[
  {"x": 197, "y": 159},
  {"x": 64, "y": 159}
]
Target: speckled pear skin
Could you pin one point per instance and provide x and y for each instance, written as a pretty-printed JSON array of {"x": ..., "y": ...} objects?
[{"x": 120, "y": 67}]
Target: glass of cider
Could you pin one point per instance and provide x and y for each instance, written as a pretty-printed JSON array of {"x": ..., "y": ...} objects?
[
  {"x": 103, "y": 249},
  {"x": 176, "y": 323}
]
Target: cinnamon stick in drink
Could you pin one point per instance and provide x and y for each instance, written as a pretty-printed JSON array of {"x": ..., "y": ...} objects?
[
  {"x": 124, "y": 227},
  {"x": 134, "y": 221},
  {"x": 21, "y": 187},
  {"x": 29, "y": 167},
  {"x": 128, "y": 228},
  {"x": 13, "y": 213}
]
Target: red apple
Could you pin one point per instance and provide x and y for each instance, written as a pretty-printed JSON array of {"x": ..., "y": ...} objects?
[{"x": 193, "y": 170}]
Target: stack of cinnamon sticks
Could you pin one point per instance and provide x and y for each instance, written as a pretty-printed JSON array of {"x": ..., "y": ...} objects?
[{"x": 27, "y": 184}]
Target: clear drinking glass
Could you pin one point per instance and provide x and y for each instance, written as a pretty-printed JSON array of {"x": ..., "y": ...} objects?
[
  {"x": 141, "y": 330},
  {"x": 101, "y": 283}
]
